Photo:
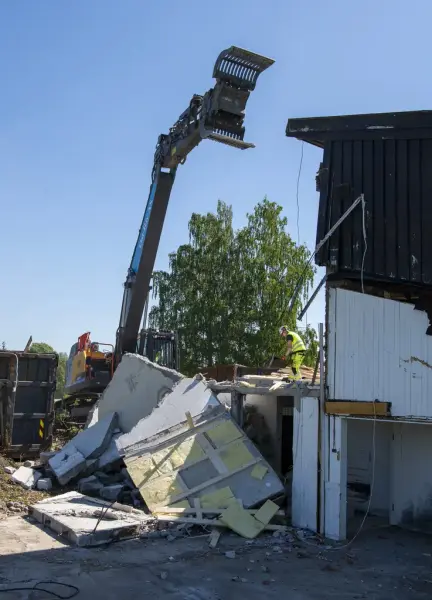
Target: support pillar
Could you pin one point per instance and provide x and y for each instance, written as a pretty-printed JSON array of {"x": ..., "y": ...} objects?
[{"x": 336, "y": 478}]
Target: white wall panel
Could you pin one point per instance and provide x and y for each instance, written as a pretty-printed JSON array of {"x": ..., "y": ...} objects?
[
  {"x": 378, "y": 350},
  {"x": 412, "y": 476},
  {"x": 305, "y": 460}
]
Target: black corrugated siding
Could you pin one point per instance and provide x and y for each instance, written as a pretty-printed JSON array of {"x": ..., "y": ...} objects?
[{"x": 395, "y": 176}]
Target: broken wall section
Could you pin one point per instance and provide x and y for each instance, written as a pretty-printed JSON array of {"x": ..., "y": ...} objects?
[{"x": 137, "y": 387}]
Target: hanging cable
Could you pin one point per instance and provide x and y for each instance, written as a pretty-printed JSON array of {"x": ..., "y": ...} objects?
[{"x": 297, "y": 194}]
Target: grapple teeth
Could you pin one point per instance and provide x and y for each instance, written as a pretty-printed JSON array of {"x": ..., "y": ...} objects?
[{"x": 240, "y": 67}]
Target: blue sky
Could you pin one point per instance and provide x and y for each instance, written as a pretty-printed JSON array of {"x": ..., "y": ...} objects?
[{"x": 87, "y": 86}]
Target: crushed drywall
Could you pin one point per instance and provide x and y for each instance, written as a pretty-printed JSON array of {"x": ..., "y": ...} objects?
[{"x": 137, "y": 387}]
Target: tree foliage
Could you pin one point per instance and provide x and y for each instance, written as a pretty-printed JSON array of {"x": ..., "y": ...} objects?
[
  {"x": 227, "y": 292},
  {"x": 44, "y": 348}
]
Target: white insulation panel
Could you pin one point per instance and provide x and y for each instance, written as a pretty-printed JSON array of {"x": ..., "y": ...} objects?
[{"x": 378, "y": 350}]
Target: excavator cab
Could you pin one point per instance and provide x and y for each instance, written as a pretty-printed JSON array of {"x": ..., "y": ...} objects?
[{"x": 89, "y": 367}]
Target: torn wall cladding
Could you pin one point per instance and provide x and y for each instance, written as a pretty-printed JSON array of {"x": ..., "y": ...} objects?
[
  {"x": 388, "y": 158},
  {"x": 377, "y": 350}
]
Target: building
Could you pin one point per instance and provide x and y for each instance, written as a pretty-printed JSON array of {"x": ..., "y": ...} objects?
[{"x": 365, "y": 447}]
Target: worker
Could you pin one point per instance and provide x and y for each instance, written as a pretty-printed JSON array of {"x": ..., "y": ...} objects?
[{"x": 296, "y": 350}]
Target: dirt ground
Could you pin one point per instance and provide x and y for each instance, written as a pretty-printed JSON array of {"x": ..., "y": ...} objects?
[{"x": 382, "y": 564}]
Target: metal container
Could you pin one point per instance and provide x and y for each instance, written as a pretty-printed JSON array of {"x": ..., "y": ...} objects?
[
  {"x": 388, "y": 158},
  {"x": 27, "y": 386}
]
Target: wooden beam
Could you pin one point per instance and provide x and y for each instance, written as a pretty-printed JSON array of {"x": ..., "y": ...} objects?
[
  {"x": 378, "y": 409},
  {"x": 211, "y": 522}
]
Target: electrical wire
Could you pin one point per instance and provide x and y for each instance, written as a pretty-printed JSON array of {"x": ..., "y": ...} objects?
[
  {"x": 297, "y": 194},
  {"x": 35, "y": 587}
]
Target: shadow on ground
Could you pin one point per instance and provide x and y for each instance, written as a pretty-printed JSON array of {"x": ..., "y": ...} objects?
[{"x": 382, "y": 564}]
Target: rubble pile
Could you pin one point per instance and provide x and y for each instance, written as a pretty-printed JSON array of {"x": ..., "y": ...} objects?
[{"x": 159, "y": 451}]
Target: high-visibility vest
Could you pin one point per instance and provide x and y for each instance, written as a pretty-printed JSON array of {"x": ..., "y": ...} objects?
[{"x": 297, "y": 343}]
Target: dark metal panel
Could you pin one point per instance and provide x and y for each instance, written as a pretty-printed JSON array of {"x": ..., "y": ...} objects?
[
  {"x": 376, "y": 204},
  {"x": 316, "y": 130},
  {"x": 414, "y": 209},
  {"x": 395, "y": 176},
  {"x": 401, "y": 210},
  {"x": 347, "y": 199},
  {"x": 357, "y": 243},
  {"x": 27, "y": 413},
  {"x": 426, "y": 212},
  {"x": 388, "y": 228},
  {"x": 368, "y": 190}
]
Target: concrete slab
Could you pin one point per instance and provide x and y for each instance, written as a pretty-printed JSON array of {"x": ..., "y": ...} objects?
[
  {"x": 26, "y": 477},
  {"x": 93, "y": 442},
  {"x": 137, "y": 387},
  {"x": 189, "y": 395},
  {"x": 46, "y": 455},
  {"x": 111, "y": 454},
  {"x": 80, "y": 454},
  {"x": 111, "y": 492},
  {"x": 85, "y": 521},
  {"x": 44, "y": 483},
  {"x": 67, "y": 464},
  {"x": 89, "y": 485}
]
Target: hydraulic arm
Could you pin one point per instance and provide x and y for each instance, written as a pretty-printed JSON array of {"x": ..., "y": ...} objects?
[{"x": 218, "y": 115}]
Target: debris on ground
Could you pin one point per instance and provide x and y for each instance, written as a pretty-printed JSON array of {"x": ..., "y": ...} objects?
[
  {"x": 85, "y": 521},
  {"x": 166, "y": 449},
  {"x": 26, "y": 477}
]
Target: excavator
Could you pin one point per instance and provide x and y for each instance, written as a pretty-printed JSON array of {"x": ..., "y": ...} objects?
[{"x": 218, "y": 115}]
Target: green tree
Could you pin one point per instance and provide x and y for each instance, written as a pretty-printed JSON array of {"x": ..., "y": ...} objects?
[
  {"x": 227, "y": 292},
  {"x": 43, "y": 348}
]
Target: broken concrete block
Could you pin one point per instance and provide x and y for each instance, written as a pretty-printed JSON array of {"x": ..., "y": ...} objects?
[
  {"x": 89, "y": 485},
  {"x": 44, "y": 483},
  {"x": 67, "y": 464},
  {"x": 80, "y": 454},
  {"x": 111, "y": 492},
  {"x": 26, "y": 477},
  {"x": 137, "y": 387},
  {"x": 75, "y": 516},
  {"x": 9, "y": 470},
  {"x": 93, "y": 442},
  {"x": 111, "y": 454},
  {"x": 45, "y": 456},
  {"x": 189, "y": 395}
]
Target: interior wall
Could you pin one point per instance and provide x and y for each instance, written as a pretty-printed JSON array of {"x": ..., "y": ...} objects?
[
  {"x": 360, "y": 458},
  {"x": 262, "y": 427},
  {"x": 412, "y": 476}
]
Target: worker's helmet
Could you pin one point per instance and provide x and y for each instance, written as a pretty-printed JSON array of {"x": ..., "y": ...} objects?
[{"x": 283, "y": 329}]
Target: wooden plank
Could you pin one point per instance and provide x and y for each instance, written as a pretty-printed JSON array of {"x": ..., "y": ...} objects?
[
  {"x": 357, "y": 408},
  {"x": 212, "y": 522},
  {"x": 197, "y": 506},
  {"x": 171, "y": 510},
  {"x": 214, "y": 538}
]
